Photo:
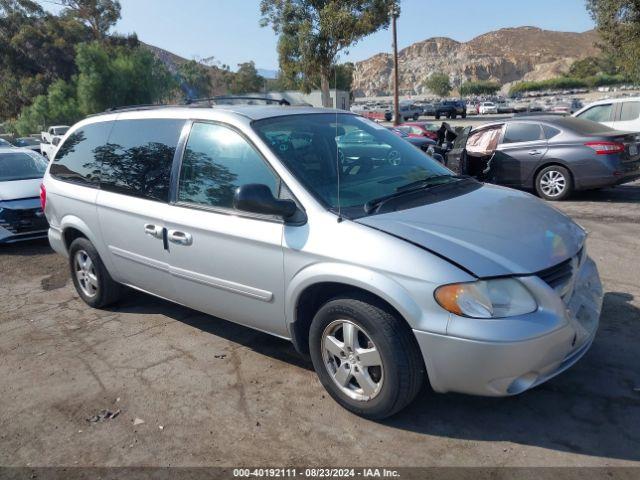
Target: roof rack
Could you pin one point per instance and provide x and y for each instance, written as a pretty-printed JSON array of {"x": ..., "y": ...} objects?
[
  {"x": 132, "y": 108},
  {"x": 196, "y": 102},
  {"x": 229, "y": 98}
]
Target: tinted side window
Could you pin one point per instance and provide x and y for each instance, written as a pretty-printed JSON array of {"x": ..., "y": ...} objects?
[
  {"x": 138, "y": 157},
  {"x": 76, "y": 158},
  {"x": 599, "y": 113},
  {"x": 217, "y": 160},
  {"x": 522, "y": 132},
  {"x": 550, "y": 131},
  {"x": 630, "y": 111}
]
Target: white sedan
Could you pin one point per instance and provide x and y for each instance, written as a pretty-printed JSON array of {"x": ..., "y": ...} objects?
[{"x": 488, "y": 107}]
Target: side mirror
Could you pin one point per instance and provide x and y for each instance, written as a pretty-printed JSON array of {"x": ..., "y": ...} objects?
[
  {"x": 56, "y": 141},
  {"x": 437, "y": 157},
  {"x": 257, "y": 198}
]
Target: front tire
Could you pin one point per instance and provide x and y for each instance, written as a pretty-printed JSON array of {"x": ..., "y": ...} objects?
[
  {"x": 90, "y": 277},
  {"x": 365, "y": 357},
  {"x": 554, "y": 183}
]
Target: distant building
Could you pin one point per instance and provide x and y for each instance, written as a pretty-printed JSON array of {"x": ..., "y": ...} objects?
[{"x": 313, "y": 98}]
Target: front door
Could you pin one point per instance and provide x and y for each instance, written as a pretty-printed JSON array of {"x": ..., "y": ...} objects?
[
  {"x": 222, "y": 261},
  {"x": 454, "y": 158}
]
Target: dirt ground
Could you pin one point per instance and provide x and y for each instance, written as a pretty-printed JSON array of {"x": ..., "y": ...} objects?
[{"x": 213, "y": 393}]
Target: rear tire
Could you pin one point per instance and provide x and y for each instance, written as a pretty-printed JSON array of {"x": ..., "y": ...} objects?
[
  {"x": 90, "y": 277},
  {"x": 554, "y": 183},
  {"x": 376, "y": 374},
  {"x": 437, "y": 116}
]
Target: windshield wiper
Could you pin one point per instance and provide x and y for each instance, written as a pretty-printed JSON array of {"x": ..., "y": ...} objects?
[
  {"x": 424, "y": 184},
  {"x": 428, "y": 182}
]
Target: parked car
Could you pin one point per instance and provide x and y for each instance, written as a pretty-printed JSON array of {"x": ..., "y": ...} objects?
[
  {"x": 451, "y": 109},
  {"x": 505, "y": 107},
  {"x": 409, "y": 111},
  {"x": 488, "y": 108},
  {"x": 5, "y": 143},
  {"x": 552, "y": 155},
  {"x": 56, "y": 131},
  {"x": 29, "y": 143},
  {"x": 428, "y": 109},
  {"x": 422, "y": 129},
  {"x": 427, "y": 145},
  {"x": 21, "y": 216},
  {"x": 50, "y": 140},
  {"x": 473, "y": 108},
  {"x": 368, "y": 255},
  {"x": 618, "y": 113}
]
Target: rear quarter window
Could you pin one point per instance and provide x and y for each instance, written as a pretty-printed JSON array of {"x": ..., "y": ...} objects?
[
  {"x": 76, "y": 160},
  {"x": 138, "y": 157},
  {"x": 630, "y": 111}
]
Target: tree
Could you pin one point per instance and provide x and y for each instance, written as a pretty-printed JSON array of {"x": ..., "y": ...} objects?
[
  {"x": 195, "y": 80},
  {"x": 59, "y": 106},
  {"x": 98, "y": 15},
  {"x": 246, "y": 79},
  {"x": 618, "y": 22},
  {"x": 439, "y": 84},
  {"x": 479, "y": 88},
  {"x": 313, "y": 32},
  {"x": 591, "y": 66},
  {"x": 36, "y": 49},
  {"x": 116, "y": 76}
]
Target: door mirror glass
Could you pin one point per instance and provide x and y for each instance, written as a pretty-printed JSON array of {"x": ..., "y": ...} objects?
[{"x": 257, "y": 198}]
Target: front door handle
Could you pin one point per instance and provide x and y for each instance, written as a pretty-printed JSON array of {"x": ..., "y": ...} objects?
[
  {"x": 535, "y": 152},
  {"x": 181, "y": 238},
  {"x": 152, "y": 230}
]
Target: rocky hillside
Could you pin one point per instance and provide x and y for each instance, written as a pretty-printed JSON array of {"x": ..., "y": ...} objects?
[{"x": 504, "y": 56}]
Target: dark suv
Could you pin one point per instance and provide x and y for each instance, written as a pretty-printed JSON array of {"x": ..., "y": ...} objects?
[{"x": 451, "y": 109}]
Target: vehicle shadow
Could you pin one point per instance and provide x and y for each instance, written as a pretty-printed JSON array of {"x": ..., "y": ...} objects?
[
  {"x": 591, "y": 409},
  {"x": 27, "y": 248},
  {"x": 619, "y": 194},
  {"x": 262, "y": 343}
]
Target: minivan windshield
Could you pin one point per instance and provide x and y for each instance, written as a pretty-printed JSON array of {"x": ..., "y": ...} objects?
[
  {"x": 21, "y": 166},
  {"x": 347, "y": 161}
]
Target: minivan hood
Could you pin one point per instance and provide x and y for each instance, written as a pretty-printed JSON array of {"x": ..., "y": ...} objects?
[
  {"x": 16, "y": 189},
  {"x": 491, "y": 231}
]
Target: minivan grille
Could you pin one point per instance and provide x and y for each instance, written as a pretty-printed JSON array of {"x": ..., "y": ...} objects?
[{"x": 559, "y": 277}]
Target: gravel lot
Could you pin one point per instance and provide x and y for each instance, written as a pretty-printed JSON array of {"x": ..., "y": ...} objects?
[{"x": 213, "y": 393}]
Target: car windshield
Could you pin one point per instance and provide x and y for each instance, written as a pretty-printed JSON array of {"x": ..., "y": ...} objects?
[
  {"x": 21, "y": 166},
  {"x": 345, "y": 160}
]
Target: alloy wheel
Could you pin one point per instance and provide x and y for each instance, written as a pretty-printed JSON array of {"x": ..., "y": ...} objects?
[
  {"x": 352, "y": 360},
  {"x": 85, "y": 273},
  {"x": 553, "y": 183}
]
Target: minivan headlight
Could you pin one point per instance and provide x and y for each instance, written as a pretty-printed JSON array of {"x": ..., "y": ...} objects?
[{"x": 498, "y": 298}]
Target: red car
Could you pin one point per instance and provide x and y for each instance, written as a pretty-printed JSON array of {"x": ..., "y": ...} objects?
[{"x": 421, "y": 129}]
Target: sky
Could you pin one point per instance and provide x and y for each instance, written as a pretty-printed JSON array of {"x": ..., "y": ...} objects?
[{"x": 229, "y": 30}]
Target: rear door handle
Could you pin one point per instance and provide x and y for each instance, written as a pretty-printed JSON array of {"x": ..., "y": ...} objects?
[
  {"x": 535, "y": 152},
  {"x": 152, "y": 230},
  {"x": 181, "y": 238}
]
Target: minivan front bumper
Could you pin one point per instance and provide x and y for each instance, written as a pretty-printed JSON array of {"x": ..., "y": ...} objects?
[{"x": 508, "y": 367}]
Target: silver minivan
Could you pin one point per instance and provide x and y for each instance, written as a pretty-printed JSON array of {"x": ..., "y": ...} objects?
[{"x": 372, "y": 258}]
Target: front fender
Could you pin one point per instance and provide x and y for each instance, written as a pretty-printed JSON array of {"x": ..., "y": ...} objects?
[{"x": 371, "y": 281}]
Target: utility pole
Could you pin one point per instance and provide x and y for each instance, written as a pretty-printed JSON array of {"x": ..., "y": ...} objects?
[{"x": 396, "y": 107}]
